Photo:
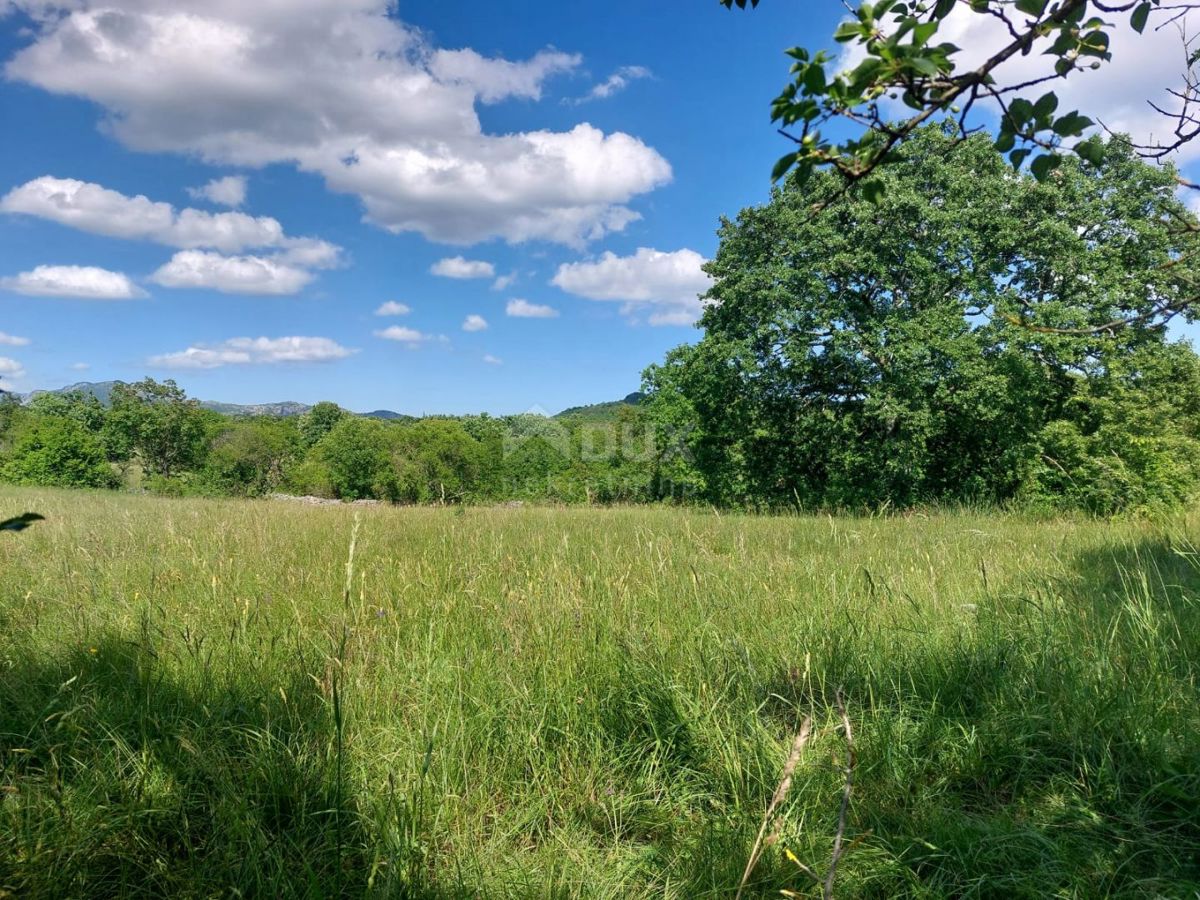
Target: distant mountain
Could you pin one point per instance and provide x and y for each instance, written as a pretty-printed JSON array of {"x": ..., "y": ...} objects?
[
  {"x": 385, "y": 414},
  {"x": 283, "y": 409},
  {"x": 601, "y": 412},
  {"x": 102, "y": 391}
]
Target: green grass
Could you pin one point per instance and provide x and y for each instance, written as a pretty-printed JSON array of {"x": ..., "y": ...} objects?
[{"x": 590, "y": 703}]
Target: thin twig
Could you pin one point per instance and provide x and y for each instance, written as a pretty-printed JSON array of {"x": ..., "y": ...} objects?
[
  {"x": 785, "y": 784},
  {"x": 838, "y": 838}
]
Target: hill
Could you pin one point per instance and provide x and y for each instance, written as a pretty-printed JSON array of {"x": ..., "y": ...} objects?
[
  {"x": 102, "y": 391},
  {"x": 601, "y": 412}
]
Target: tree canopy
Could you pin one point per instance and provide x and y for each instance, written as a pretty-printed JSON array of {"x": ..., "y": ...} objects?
[
  {"x": 946, "y": 339},
  {"x": 900, "y": 63}
]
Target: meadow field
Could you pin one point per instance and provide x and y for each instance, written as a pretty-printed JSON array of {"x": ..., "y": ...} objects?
[{"x": 201, "y": 698}]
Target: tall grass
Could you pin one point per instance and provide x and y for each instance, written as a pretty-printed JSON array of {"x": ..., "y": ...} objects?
[{"x": 200, "y": 698}]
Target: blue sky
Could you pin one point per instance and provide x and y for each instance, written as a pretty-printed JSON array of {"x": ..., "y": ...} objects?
[
  {"x": 84, "y": 118},
  {"x": 227, "y": 193}
]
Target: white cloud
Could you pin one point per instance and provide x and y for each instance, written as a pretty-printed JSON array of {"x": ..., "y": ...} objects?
[
  {"x": 231, "y": 274},
  {"x": 504, "y": 282},
  {"x": 615, "y": 83},
  {"x": 493, "y": 80},
  {"x": 492, "y": 360},
  {"x": 227, "y": 191},
  {"x": 344, "y": 90},
  {"x": 392, "y": 308},
  {"x": 81, "y": 366},
  {"x": 254, "y": 351},
  {"x": 408, "y": 336},
  {"x": 79, "y": 282},
  {"x": 457, "y": 267},
  {"x": 523, "y": 309},
  {"x": 11, "y": 340},
  {"x": 474, "y": 322},
  {"x": 666, "y": 285},
  {"x": 1143, "y": 68},
  {"x": 98, "y": 210},
  {"x": 10, "y": 368}
]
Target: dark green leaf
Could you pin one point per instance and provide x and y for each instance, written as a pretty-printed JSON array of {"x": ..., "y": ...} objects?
[
  {"x": 1044, "y": 165},
  {"x": 1018, "y": 156},
  {"x": 21, "y": 522},
  {"x": 1020, "y": 111},
  {"x": 1072, "y": 125},
  {"x": 1045, "y": 106},
  {"x": 784, "y": 164},
  {"x": 873, "y": 191},
  {"x": 922, "y": 33},
  {"x": 1092, "y": 151},
  {"x": 847, "y": 31},
  {"x": 1032, "y": 7}
]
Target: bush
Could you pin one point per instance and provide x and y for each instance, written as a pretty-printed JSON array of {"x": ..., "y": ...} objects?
[{"x": 58, "y": 452}]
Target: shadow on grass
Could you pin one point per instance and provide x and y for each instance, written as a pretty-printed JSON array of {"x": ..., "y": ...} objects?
[
  {"x": 1053, "y": 748},
  {"x": 116, "y": 780}
]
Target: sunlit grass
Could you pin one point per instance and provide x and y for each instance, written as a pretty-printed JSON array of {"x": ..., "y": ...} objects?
[{"x": 576, "y": 702}]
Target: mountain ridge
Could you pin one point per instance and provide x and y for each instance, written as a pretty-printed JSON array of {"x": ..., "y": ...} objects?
[{"x": 102, "y": 391}]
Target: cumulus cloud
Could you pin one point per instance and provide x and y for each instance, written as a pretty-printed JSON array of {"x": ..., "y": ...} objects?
[
  {"x": 410, "y": 337},
  {"x": 504, "y": 282},
  {"x": 493, "y": 80},
  {"x": 492, "y": 360},
  {"x": 664, "y": 285},
  {"x": 99, "y": 210},
  {"x": 615, "y": 83},
  {"x": 231, "y": 274},
  {"x": 11, "y": 340},
  {"x": 79, "y": 282},
  {"x": 253, "y": 351},
  {"x": 10, "y": 368},
  {"x": 457, "y": 267},
  {"x": 523, "y": 309},
  {"x": 227, "y": 191},
  {"x": 392, "y": 308},
  {"x": 474, "y": 322},
  {"x": 1143, "y": 68},
  {"x": 343, "y": 90}
]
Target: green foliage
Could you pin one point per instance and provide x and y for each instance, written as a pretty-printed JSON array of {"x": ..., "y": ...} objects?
[
  {"x": 159, "y": 422},
  {"x": 356, "y": 454},
  {"x": 437, "y": 461},
  {"x": 900, "y": 58},
  {"x": 57, "y": 451},
  {"x": 319, "y": 421},
  {"x": 251, "y": 458},
  {"x": 848, "y": 362},
  {"x": 21, "y": 522}
]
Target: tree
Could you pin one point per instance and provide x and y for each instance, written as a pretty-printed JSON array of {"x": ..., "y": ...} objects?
[
  {"x": 319, "y": 421},
  {"x": 849, "y": 362},
  {"x": 57, "y": 451},
  {"x": 356, "y": 454},
  {"x": 902, "y": 60},
  {"x": 437, "y": 461},
  {"x": 167, "y": 430},
  {"x": 249, "y": 458}
]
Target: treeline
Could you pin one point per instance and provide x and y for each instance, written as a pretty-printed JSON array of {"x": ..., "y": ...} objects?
[
  {"x": 152, "y": 436},
  {"x": 952, "y": 331}
]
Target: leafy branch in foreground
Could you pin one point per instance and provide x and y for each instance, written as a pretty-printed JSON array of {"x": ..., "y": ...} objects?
[
  {"x": 21, "y": 522},
  {"x": 901, "y": 61}
]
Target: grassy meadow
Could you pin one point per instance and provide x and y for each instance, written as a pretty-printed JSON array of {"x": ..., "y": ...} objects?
[{"x": 198, "y": 698}]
